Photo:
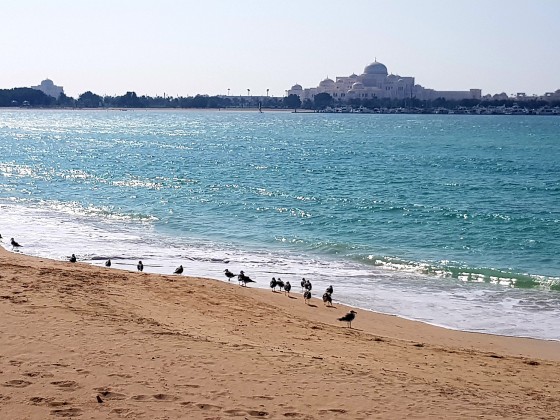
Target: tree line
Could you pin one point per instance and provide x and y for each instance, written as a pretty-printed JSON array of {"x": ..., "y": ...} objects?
[{"x": 36, "y": 98}]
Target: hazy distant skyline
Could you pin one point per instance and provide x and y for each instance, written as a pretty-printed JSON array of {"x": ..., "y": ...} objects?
[{"x": 189, "y": 47}]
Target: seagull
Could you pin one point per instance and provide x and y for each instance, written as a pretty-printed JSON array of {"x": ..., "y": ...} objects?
[
  {"x": 330, "y": 290},
  {"x": 178, "y": 270},
  {"x": 349, "y": 317},
  {"x": 302, "y": 283},
  {"x": 0, "y": 236},
  {"x": 229, "y": 274},
  {"x": 14, "y": 243},
  {"x": 108, "y": 263},
  {"x": 306, "y": 296},
  {"x": 242, "y": 278},
  {"x": 280, "y": 283},
  {"x": 287, "y": 288},
  {"x": 140, "y": 266},
  {"x": 327, "y": 299},
  {"x": 73, "y": 258},
  {"x": 273, "y": 284},
  {"x": 307, "y": 285}
]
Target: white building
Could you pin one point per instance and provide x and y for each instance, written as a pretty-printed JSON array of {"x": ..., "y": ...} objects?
[
  {"x": 376, "y": 82},
  {"x": 49, "y": 88}
]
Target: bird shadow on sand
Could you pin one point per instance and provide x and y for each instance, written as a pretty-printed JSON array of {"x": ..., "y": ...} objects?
[
  {"x": 292, "y": 297},
  {"x": 330, "y": 307},
  {"x": 310, "y": 304}
]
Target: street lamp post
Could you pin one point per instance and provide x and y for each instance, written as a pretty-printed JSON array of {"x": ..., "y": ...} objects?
[{"x": 267, "y": 92}]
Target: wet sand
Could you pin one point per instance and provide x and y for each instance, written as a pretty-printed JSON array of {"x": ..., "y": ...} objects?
[{"x": 176, "y": 347}]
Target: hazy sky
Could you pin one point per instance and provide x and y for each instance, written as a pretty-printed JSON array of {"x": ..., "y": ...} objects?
[{"x": 185, "y": 47}]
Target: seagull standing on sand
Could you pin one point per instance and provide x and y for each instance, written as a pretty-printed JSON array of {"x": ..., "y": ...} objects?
[
  {"x": 73, "y": 258},
  {"x": 108, "y": 263},
  {"x": 243, "y": 279},
  {"x": 140, "y": 266},
  {"x": 229, "y": 274},
  {"x": 14, "y": 243},
  {"x": 349, "y": 317},
  {"x": 302, "y": 283},
  {"x": 178, "y": 270},
  {"x": 280, "y": 283},
  {"x": 287, "y": 288},
  {"x": 306, "y": 297},
  {"x": 327, "y": 299},
  {"x": 273, "y": 284}
]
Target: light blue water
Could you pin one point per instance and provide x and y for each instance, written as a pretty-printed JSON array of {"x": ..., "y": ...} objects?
[{"x": 452, "y": 220}]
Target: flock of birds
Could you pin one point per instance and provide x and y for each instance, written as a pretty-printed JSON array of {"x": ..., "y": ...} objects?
[
  {"x": 306, "y": 287},
  {"x": 243, "y": 280}
]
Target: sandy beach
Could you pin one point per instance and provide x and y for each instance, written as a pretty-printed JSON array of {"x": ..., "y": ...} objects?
[{"x": 95, "y": 343}]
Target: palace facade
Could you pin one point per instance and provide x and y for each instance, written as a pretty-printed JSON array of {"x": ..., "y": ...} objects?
[
  {"x": 49, "y": 88},
  {"x": 376, "y": 82}
]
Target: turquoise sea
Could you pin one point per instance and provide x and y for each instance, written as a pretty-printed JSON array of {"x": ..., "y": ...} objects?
[{"x": 449, "y": 219}]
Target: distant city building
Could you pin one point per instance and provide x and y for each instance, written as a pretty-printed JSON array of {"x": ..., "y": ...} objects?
[
  {"x": 376, "y": 82},
  {"x": 49, "y": 88}
]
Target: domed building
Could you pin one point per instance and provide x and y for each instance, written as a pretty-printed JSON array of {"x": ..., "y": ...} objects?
[
  {"x": 376, "y": 82},
  {"x": 49, "y": 88}
]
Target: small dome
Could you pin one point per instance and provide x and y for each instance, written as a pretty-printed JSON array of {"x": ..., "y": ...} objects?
[
  {"x": 327, "y": 83},
  {"x": 353, "y": 76},
  {"x": 376, "y": 68},
  {"x": 296, "y": 87},
  {"x": 357, "y": 86}
]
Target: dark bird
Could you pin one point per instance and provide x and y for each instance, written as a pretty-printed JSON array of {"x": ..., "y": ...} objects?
[
  {"x": 73, "y": 258},
  {"x": 287, "y": 288},
  {"x": 99, "y": 400},
  {"x": 302, "y": 283},
  {"x": 280, "y": 283},
  {"x": 243, "y": 279},
  {"x": 306, "y": 296},
  {"x": 0, "y": 236},
  {"x": 178, "y": 270},
  {"x": 14, "y": 243},
  {"x": 229, "y": 274},
  {"x": 108, "y": 263},
  {"x": 140, "y": 266},
  {"x": 330, "y": 290},
  {"x": 327, "y": 298},
  {"x": 273, "y": 284},
  {"x": 307, "y": 285},
  {"x": 349, "y": 317}
]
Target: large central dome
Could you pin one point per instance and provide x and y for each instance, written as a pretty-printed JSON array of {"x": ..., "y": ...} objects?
[{"x": 376, "y": 68}]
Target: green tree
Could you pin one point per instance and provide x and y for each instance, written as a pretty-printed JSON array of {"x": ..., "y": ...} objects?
[
  {"x": 323, "y": 100},
  {"x": 89, "y": 100},
  {"x": 292, "y": 101}
]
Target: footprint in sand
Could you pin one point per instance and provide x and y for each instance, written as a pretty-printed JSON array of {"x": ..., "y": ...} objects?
[
  {"x": 66, "y": 385},
  {"x": 165, "y": 397},
  {"x": 17, "y": 383},
  {"x": 202, "y": 406},
  {"x": 107, "y": 394},
  {"x": 67, "y": 412}
]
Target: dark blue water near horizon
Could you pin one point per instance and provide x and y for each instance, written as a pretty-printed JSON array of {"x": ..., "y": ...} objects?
[{"x": 423, "y": 202}]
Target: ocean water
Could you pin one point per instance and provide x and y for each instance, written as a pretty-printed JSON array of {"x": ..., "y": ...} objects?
[{"x": 448, "y": 219}]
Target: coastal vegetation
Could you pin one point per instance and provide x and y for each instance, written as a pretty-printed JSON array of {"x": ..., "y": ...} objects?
[{"x": 27, "y": 97}]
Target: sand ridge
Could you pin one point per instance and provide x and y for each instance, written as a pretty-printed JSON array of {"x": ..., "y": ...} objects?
[{"x": 172, "y": 347}]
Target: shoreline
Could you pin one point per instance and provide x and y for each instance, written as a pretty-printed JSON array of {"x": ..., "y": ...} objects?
[{"x": 164, "y": 346}]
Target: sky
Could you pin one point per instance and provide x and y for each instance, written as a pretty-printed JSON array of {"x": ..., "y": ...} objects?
[{"x": 188, "y": 47}]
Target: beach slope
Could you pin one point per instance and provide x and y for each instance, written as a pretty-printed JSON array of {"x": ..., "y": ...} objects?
[{"x": 89, "y": 342}]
